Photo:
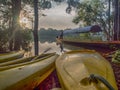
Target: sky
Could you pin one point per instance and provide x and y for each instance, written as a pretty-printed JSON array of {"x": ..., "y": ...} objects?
[{"x": 57, "y": 18}]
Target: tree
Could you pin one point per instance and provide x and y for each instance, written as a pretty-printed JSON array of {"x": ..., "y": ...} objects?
[
  {"x": 16, "y": 8},
  {"x": 116, "y": 4},
  {"x": 95, "y": 12},
  {"x": 11, "y": 20},
  {"x": 36, "y": 27},
  {"x": 10, "y": 28}
]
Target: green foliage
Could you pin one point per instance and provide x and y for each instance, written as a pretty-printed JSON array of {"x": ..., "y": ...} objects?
[
  {"x": 58, "y": 0},
  {"x": 5, "y": 2},
  {"x": 45, "y": 4},
  {"x": 6, "y": 13},
  {"x": 3, "y": 40},
  {"x": 27, "y": 1},
  {"x": 116, "y": 57},
  {"x": 91, "y": 12},
  {"x": 26, "y": 39},
  {"x": 23, "y": 38},
  {"x": 72, "y": 3}
]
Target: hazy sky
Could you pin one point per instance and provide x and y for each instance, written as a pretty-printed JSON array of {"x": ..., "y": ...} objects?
[{"x": 57, "y": 18}]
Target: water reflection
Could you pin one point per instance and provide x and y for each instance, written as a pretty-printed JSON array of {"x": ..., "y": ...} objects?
[{"x": 46, "y": 44}]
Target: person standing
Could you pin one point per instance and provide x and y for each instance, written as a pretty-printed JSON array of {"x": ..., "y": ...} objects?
[{"x": 59, "y": 42}]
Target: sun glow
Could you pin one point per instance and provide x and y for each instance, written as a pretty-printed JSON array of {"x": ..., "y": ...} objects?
[{"x": 24, "y": 22}]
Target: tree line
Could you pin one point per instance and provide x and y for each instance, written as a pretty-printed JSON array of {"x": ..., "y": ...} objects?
[{"x": 48, "y": 35}]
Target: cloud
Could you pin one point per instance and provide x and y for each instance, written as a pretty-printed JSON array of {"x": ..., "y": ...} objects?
[{"x": 57, "y": 18}]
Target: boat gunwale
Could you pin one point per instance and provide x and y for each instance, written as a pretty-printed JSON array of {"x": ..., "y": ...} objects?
[
  {"x": 13, "y": 56},
  {"x": 26, "y": 63}
]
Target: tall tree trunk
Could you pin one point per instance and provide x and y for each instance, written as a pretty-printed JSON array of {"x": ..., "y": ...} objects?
[
  {"x": 10, "y": 33},
  {"x": 16, "y": 8},
  {"x": 109, "y": 28},
  {"x": 117, "y": 20},
  {"x": 36, "y": 46}
]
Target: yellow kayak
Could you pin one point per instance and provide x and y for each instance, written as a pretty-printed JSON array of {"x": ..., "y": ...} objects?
[
  {"x": 24, "y": 60},
  {"x": 85, "y": 70},
  {"x": 26, "y": 76},
  {"x": 11, "y": 56}
]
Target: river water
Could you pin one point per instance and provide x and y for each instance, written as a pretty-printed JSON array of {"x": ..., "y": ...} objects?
[
  {"x": 51, "y": 47},
  {"x": 46, "y": 45}
]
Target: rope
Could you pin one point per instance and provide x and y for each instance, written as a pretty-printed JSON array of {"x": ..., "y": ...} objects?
[{"x": 100, "y": 78}]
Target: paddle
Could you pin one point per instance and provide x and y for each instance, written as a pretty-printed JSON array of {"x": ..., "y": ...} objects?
[{"x": 46, "y": 50}]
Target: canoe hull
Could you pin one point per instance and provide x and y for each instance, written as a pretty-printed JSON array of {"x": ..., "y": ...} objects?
[
  {"x": 74, "y": 69},
  {"x": 27, "y": 76},
  {"x": 11, "y": 56},
  {"x": 31, "y": 82}
]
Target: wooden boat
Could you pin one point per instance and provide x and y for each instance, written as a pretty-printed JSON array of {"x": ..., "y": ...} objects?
[
  {"x": 11, "y": 56},
  {"x": 85, "y": 70},
  {"x": 97, "y": 45},
  {"x": 89, "y": 37},
  {"x": 26, "y": 76}
]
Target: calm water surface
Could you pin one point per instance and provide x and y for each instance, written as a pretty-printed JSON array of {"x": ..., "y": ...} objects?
[
  {"x": 45, "y": 46},
  {"x": 53, "y": 47}
]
